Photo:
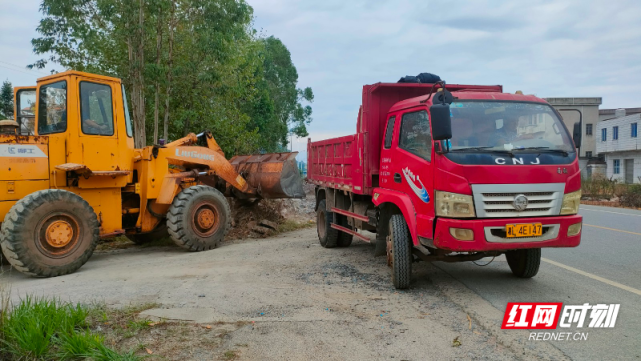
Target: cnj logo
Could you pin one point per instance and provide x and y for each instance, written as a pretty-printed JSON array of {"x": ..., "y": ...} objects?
[{"x": 546, "y": 316}]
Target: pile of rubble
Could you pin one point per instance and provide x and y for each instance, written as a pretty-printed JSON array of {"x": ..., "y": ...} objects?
[{"x": 264, "y": 218}]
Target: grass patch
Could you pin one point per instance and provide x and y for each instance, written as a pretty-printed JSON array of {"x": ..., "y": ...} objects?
[
  {"x": 290, "y": 225},
  {"x": 230, "y": 355},
  {"x": 46, "y": 329}
]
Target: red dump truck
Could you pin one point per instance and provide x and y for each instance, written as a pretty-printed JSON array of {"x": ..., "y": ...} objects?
[{"x": 450, "y": 173}]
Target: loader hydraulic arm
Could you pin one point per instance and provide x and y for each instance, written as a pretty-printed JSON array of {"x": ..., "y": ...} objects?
[{"x": 182, "y": 153}]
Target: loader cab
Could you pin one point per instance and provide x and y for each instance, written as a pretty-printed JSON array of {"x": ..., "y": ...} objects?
[{"x": 86, "y": 119}]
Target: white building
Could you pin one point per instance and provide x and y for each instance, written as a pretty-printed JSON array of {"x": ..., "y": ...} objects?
[{"x": 618, "y": 140}]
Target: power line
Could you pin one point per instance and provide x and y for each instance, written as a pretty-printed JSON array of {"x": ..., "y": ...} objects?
[
  {"x": 6, "y": 67},
  {"x": 20, "y": 68}
]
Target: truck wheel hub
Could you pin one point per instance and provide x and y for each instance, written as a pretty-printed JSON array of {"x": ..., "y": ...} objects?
[{"x": 59, "y": 234}]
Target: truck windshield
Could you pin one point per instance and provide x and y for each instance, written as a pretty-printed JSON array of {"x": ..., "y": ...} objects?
[{"x": 482, "y": 126}]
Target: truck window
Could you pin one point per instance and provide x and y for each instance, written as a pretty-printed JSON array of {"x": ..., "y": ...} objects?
[
  {"x": 416, "y": 136},
  {"x": 96, "y": 109},
  {"x": 389, "y": 132},
  {"x": 52, "y": 108}
]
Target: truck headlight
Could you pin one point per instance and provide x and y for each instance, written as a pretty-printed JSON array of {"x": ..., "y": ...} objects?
[
  {"x": 571, "y": 203},
  {"x": 454, "y": 205}
]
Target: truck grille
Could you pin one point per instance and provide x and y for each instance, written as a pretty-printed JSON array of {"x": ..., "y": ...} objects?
[{"x": 497, "y": 200}]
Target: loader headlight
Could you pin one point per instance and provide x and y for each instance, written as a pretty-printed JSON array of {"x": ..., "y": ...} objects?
[
  {"x": 571, "y": 203},
  {"x": 454, "y": 205}
]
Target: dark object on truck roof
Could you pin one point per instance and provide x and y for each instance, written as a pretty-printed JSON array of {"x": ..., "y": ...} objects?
[{"x": 425, "y": 78}]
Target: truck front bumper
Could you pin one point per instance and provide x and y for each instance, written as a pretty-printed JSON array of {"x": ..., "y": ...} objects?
[{"x": 489, "y": 234}]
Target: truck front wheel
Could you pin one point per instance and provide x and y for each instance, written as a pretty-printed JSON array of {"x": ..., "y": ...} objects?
[
  {"x": 399, "y": 251},
  {"x": 524, "y": 263}
]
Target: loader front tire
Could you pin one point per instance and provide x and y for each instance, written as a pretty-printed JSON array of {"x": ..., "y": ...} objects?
[
  {"x": 49, "y": 233},
  {"x": 199, "y": 218}
]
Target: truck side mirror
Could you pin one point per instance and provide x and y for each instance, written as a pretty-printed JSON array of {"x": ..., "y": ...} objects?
[
  {"x": 576, "y": 135},
  {"x": 441, "y": 122}
]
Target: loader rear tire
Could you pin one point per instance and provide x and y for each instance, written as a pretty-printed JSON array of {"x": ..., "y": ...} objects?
[
  {"x": 327, "y": 235},
  {"x": 199, "y": 218},
  {"x": 159, "y": 233},
  {"x": 49, "y": 233}
]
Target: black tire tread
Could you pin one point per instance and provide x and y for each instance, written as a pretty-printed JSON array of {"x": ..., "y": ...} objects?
[
  {"x": 177, "y": 209},
  {"x": 524, "y": 263},
  {"x": 402, "y": 270},
  {"x": 332, "y": 234},
  {"x": 13, "y": 245}
]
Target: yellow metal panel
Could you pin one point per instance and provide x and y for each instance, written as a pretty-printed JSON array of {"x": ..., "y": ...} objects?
[
  {"x": 5, "y": 207},
  {"x": 102, "y": 182},
  {"x": 107, "y": 205},
  {"x": 23, "y": 157},
  {"x": 16, "y": 190}
]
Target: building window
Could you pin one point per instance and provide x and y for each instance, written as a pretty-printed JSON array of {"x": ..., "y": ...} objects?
[
  {"x": 588, "y": 129},
  {"x": 617, "y": 166},
  {"x": 604, "y": 134},
  {"x": 633, "y": 131},
  {"x": 615, "y": 133},
  {"x": 588, "y": 154}
]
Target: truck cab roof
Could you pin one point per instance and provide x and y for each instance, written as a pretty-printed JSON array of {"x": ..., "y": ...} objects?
[{"x": 464, "y": 94}]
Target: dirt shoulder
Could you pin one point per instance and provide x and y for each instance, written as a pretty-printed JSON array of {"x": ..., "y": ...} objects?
[{"x": 285, "y": 298}]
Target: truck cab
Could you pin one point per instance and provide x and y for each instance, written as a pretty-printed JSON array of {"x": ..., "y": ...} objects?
[{"x": 456, "y": 173}]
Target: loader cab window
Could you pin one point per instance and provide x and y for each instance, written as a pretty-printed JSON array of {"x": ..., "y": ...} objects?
[
  {"x": 52, "y": 108},
  {"x": 416, "y": 136},
  {"x": 26, "y": 108},
  {"x": 130, "y": 131},
  {"x": 96, "y": 109}
]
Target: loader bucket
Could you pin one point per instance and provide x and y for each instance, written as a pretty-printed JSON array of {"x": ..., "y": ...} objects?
[{"x": 273, "y": 175}]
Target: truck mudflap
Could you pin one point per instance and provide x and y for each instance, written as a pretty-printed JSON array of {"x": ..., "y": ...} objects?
[{"x": 489, "y": 234}]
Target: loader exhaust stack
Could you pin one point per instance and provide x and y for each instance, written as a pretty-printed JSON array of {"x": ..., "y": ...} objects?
[{"x": 273, "y": 175}]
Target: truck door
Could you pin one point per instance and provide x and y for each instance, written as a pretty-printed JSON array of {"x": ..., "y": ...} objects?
[
  {"x": 411, "y": 165},
  {"x": 98, "y": 135}
]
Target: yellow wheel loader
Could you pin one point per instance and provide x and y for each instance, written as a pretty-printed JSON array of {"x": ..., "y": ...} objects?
[{"x": 70, "y": 175}]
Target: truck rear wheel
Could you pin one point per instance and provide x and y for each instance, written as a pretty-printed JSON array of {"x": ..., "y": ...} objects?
[
  {"x": 49, "y": 233},
  {"x": 327, "y": 235},
  {"x": 399, "y": 251},
  {"x": 524, "y": 263},
  {"x": 199, "y": 218}
]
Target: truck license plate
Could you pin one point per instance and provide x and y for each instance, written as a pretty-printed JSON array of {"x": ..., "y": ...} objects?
[{"x": 524, "y": 230}]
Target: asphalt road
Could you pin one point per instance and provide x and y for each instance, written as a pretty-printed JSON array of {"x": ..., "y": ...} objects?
[{"x": 604, "y": 268}]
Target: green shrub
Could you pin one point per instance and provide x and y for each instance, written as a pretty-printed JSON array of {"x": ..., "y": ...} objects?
[{"x": 632, "y": 196}]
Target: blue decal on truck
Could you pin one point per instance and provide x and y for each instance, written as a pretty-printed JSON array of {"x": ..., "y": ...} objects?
[{"x": 411, "y": 179}]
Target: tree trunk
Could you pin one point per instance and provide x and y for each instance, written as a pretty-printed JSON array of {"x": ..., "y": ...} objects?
[
  {"x": 157, "y": 95},
  {"x": 138, "y": 86},
  {"x": 170, "y": 60}
]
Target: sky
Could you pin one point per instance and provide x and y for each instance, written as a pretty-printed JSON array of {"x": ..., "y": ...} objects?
[{"x": 561, "y": 48}]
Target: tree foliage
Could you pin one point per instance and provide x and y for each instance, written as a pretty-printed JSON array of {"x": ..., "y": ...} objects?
[
  {"x": 6, "y": 101},
  {"x": 188, "y": 65}
]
